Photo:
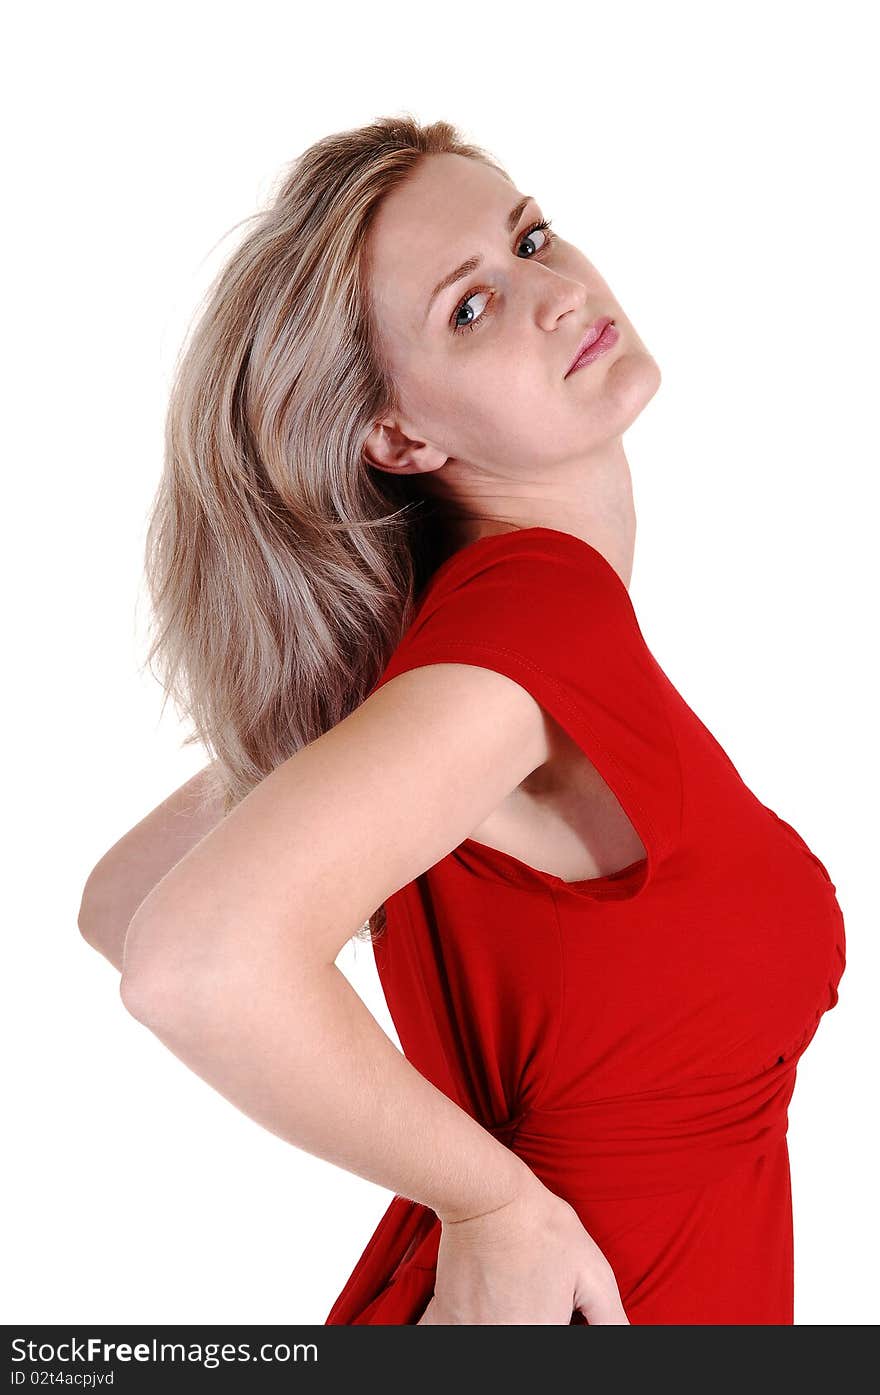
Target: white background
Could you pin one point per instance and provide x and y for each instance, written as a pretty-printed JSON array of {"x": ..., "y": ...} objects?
[{"x": 716, "y": 163}]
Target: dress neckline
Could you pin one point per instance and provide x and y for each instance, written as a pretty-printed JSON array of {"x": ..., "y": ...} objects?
[{"x": 490, "y": 540}]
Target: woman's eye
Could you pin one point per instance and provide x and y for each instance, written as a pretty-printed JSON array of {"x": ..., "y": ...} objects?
[
  {"x": 544, "y": 229},
  {"x": 538, "y": 233},
  {"x": 466, "y": 306}
]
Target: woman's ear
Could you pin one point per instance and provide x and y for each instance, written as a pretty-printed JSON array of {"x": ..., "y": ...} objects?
[{"x": 389, "y": 448}]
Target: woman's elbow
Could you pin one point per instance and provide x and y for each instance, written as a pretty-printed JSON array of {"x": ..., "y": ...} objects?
[
  {"x": 167, "y": 976},
  {"x": 89, "y": 916},
  {"x": 148, "y": 984}
]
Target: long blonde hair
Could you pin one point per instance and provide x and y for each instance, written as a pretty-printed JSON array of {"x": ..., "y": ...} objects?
[{"x": 282, "y": 569}]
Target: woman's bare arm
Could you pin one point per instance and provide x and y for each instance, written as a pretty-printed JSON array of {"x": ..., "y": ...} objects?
[
  {"x": 230, "y": 960},
  {"x": 118, "y": 883}
]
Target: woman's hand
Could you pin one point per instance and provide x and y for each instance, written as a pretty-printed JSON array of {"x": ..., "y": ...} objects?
[{"x": 531, "y": 1261}]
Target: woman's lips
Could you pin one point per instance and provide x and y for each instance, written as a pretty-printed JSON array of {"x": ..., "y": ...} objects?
[{"x": 608, "y": 336}]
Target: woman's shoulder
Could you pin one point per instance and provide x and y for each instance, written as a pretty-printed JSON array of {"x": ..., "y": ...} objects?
[
  {"x": 548, "y": 555},
  {"x": 540, "y": 595}
]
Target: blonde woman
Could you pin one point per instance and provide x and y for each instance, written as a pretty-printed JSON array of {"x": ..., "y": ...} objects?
[{"x": 389, "y": 563}]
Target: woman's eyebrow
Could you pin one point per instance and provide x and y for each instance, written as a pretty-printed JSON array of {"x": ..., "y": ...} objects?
[{"x": 472, "y": 263}]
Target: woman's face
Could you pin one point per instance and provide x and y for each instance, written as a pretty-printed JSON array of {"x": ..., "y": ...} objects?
[{"x": 480, "y": 366}]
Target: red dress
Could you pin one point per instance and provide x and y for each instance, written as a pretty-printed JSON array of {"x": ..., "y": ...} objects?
[{"x": 634, "y": 1037}]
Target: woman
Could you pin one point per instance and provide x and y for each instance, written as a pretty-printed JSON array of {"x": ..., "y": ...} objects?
[{"x": 389, "y": 560}]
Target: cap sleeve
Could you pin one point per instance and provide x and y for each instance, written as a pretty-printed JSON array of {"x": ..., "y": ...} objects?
[{"x": 549, "y": 611}]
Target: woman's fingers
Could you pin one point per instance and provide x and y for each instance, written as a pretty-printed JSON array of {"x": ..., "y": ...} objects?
[
  {"x": 531, "y": 1261},
  {"x": 600, "y": 1302}
]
